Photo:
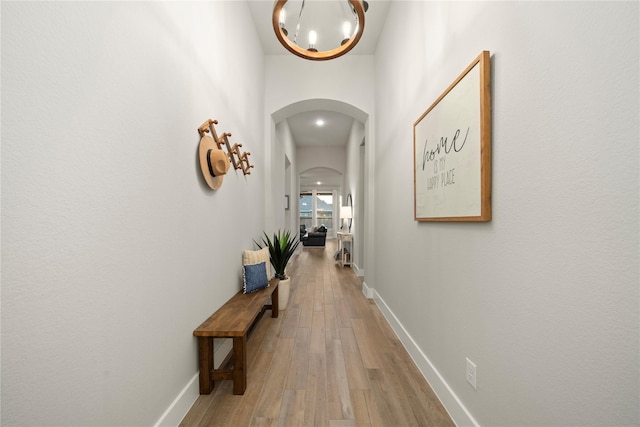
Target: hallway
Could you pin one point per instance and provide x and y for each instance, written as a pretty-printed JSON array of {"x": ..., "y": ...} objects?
[{"x": 329, "y": 359}]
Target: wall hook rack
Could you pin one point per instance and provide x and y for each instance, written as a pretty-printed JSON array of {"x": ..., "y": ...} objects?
[{"x": 239, "y": 159}]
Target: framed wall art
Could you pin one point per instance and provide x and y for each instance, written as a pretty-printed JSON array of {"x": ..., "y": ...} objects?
[{"x": 452, "y": 150}]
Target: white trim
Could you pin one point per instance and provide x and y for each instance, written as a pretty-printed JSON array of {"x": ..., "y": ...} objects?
[
  {"x": 181, "y": 405},
  {"x": 367, "y": 291},
  {"x": 359, "y": 271},
  {"x": 452, "y": 404}
]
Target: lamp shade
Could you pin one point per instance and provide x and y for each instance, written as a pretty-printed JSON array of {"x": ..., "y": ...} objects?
[{"x": 346, "y": 212}]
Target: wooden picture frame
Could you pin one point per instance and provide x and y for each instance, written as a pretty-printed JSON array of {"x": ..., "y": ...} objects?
[{"x": 452, "y": 150}]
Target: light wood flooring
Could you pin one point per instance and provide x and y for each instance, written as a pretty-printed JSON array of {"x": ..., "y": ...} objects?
[{"x": 330, "y": 359}]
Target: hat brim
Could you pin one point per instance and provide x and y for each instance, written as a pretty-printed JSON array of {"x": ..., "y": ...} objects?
[{"x": 206, "y": 143}]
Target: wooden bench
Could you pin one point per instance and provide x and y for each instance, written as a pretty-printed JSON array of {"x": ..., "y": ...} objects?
[{"x": 235, "y": 320}]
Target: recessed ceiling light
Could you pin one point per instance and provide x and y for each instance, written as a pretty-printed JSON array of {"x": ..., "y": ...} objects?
[
  {"x": 319, "y": 122},
  {"x": 319, "y": 183}
]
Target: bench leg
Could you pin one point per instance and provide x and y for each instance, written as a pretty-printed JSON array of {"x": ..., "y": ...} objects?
[
  {"x": 274, "y": 303},
  {"x": 239, "y": 364},
  {"x": 205, "y": 357}
]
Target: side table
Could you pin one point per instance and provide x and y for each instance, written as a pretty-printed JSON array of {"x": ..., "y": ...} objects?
[{"x": 345, "y": 248}]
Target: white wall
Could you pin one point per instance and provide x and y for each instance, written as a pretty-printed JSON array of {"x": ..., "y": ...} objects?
[
  {"x": 290, "y": 79},
  {"x": 113, "y": 248},
  {"x": 285, "y": 177},
  {"x": 544, "y": 299},
  {"x": 353, "y": 186}
]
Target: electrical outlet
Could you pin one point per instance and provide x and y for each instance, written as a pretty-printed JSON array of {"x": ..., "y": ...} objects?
[{"x": 471, "y": 373}]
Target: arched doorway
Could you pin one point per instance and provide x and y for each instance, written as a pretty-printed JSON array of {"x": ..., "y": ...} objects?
[{"x": 354, "y": 170}]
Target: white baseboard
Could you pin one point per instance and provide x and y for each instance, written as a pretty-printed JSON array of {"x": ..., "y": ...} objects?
[
  {"x": 367, "y": 291},
  {"x": 359, "y": 271},
  {"x": 181, "y": 405},
  {"x": 458, "y": 412}
]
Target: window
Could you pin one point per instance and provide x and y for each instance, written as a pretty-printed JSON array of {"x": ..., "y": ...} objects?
[
  {"x": 324, "y": 208},
  {"x": 316, "y": 208},
  {"x": 306, "y": 209}
]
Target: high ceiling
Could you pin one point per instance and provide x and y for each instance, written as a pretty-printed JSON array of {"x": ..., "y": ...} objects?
[{"x": 337, "y": 127}]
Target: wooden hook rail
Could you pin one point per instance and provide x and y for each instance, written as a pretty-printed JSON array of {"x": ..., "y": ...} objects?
[{"x": 239, "y": 160}]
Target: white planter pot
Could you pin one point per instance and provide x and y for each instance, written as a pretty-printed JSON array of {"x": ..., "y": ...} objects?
[{"x": 284, "y": 287}]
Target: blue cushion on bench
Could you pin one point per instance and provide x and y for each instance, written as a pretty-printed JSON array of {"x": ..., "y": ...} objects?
[{"x": 255, "y": 277}]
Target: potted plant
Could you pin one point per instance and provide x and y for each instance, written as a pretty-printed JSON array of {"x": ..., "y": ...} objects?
[{"x": 281, "y": 248}]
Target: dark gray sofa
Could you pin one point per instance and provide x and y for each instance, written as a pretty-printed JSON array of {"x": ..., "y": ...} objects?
[{"x": 313, "y": 238}]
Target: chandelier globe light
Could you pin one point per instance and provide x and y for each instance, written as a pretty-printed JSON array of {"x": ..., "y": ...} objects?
[{"x": 346, "y": 39}]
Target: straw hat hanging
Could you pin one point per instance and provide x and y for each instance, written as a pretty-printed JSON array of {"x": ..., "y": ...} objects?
[{"x": 213, "y": 161}]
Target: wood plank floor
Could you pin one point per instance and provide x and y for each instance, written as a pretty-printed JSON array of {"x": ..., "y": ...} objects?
[{"x": 329, "y": 360}]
